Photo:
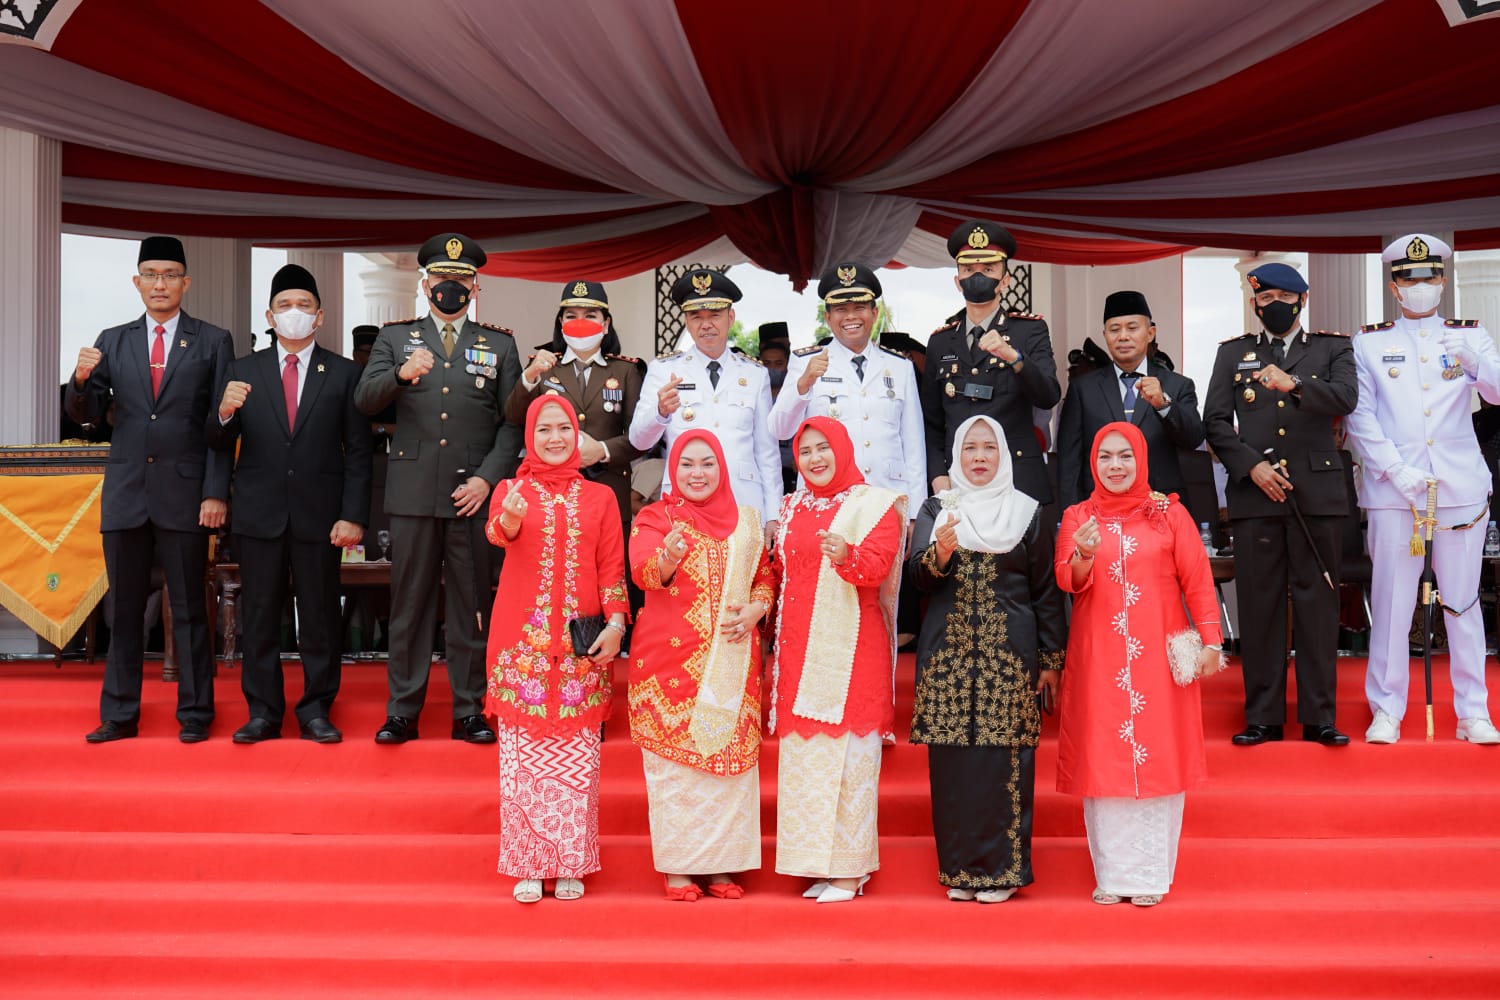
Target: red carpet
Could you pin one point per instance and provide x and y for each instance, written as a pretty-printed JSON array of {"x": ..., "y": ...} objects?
[{"x": 288, "y": 869}]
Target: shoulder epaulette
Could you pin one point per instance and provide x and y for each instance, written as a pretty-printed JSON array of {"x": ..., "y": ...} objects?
[
  {"x": 669, "y": 357},
  {"x": 803, "y": 352},
  {"x": 952, "y": 324},
  {"x": 1238, "y": 336},
  {"x": 757, "y": 362},
  {"x": 1328, "y": 333},
  {"x": 892, "y": 351},
  {"x": 1021, "y": 315},
  {"x": 499, "y": 329},
  {"x": 402, "y": 322},
  {"x": 1464, "y": 323},
  {"x": 623, "y": 357},
  {"x": 1372, "y": 327}
]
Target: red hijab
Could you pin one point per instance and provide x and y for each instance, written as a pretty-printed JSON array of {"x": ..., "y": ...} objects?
[
  {"x": 556, "y": 478},
  {"x": 845, "y": 469},
  {"x": 1138, "y": 498},
  {"x": 717, "y": 515}
]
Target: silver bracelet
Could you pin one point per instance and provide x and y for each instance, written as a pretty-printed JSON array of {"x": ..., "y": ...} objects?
[{"x": 617, "y": 626}]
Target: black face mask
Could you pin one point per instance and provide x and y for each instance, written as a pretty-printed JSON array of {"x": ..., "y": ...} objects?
[
  {"x": 1278, "y": 317},
  {"x": 979, "y": 287},
  {"x": 448, "y": 297}
]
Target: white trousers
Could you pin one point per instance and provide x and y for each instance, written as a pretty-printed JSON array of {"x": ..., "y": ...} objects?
[{"x": 1457, "y": 560}]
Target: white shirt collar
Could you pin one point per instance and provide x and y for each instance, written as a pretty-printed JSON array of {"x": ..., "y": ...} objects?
[
  {"x": 569, "y": 358},
  {"x": 170, "y": 326},
  {"x": 302, "y": 355}
]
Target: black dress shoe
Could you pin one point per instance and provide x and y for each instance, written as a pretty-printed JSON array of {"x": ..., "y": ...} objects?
[
  {"x": 397, "y": 729},
  {"x": 108, "y": 732},
  {"x": 1326, "y": 735},
  {"x": 473, "y": 729},
  {"x": 257, "y": 731},
  {"x": 1254, "y": 735},
  {"x": 320, "y": 730},
  {"x": 192, "y": 732}
]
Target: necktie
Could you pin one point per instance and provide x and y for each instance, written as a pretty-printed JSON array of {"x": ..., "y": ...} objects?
[
  {"x": 1278, "y": 352},
  {"x": 1130, "y": 394},
  {"x": 158, "y": 360},
  {"x": 289, "y": 388},
  {"x": 713, "y": 374},
  {"x": 581, "y": 369},
  {"x": 859, "y": 367},
  {"x": 448, "y": 340},
  {"x": 974, "y": 335}
]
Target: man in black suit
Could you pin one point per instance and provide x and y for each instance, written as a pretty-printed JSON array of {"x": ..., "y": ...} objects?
[
  {"x": 1163, "y": 404},
  {"x": 301, "y": 495},
  {"x": 163, "y": 485},
  {"x": 1272, "y": 403},
  {"x": 986, "y": 361}
]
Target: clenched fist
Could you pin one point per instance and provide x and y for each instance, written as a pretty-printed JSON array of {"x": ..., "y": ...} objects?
[
  {"x": 88, "y": 360},
  {"x": 816, "y": 369},
  {"x": 234, "y": 398},
  {"x": 419, "y": 364},
  {"x": 540, "y": 365}
]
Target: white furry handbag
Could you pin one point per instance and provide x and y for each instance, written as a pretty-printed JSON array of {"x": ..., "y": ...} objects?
[{"x": 1183, "y": 650}]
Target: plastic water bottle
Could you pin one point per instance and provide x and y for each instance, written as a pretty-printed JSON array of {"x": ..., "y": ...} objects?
[
  {"x": 1492, "y": 541},
  {"x": 1207, "y": 537}
]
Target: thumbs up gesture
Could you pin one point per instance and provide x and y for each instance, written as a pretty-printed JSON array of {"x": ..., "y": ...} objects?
[{"x": 816, "y": 369}]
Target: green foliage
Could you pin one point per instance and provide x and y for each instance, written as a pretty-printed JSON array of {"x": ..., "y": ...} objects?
[{"x": 746, "y": 340}]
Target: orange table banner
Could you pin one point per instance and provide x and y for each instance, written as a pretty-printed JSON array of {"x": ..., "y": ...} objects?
[{"x": 51, "y": 559}]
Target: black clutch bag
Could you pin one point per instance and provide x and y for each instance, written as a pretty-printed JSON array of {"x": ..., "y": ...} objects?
[{"x": 585, "y": 632}]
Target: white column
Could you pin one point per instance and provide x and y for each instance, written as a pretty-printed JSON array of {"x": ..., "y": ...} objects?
[
  {"x": 30, "y": 308},
  {"x": 220, "y": 293},
  {"x": 30, "y": 286},
  {"x": 1337, "y": 286},
  {"x": 390, "y": 288},
  {"x": 1477, "y": 276},
  {"x": 327, "y": 268},
  {"x": 1245, "y": 265}
]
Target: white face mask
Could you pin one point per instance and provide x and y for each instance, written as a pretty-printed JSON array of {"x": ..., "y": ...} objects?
[
  {"x": 582, "y": 345},
  {"x": 294, "y": 324},
  {"x": 1421, "y": 299}
]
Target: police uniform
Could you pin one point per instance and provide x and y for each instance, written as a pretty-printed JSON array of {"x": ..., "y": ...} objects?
[
  {"x": 1416, "y": 383},
  {"x": 1247, "y": 423},
  {"x": 961, "y": 380},
  {"x": 737, "y": 409},
  {"x": 604, "y": 391},
  {"x": 876, "y": 399},
  {"x": 449, "y": 426}
]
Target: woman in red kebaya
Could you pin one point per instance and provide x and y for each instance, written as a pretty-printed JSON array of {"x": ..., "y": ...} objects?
[
  {"x": 839, "y": 540},
  {"x": 1130, "y": 737},
  {"x": 695, "y": 671},
  {"x": 565, "y": 559}
]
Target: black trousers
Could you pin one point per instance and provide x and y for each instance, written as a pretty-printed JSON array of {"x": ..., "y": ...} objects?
[
  {"x": 1271, "y": 560},
  {"x": 128, "y": 556},
  {"x": 313, "y": 569}
]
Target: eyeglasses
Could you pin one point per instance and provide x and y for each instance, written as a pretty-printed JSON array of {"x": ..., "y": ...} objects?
[{"x": 165, "y": 277}]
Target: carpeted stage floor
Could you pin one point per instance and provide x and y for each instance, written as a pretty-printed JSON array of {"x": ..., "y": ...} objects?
[{"x": 148, "y": 868}]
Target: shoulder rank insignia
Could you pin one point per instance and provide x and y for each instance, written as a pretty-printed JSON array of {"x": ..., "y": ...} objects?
[
  {"x": 803, "y": 352},
  {"x": 402, "y": 322},
  {"x": 1328, "y": 333},
  {"x": 754, "y": 361},
  {"x": 499, "y": 329},
  {"x": 1238, "y": 336},
  {"x": 952, "y": 324},
  {"x": 1372, "y": 327},
  {"x": 1021, "y": 315},
  {"x": 1466, "y": 324},
  {"x": 891, "y": 351},
  {"x": 669, "y": 357},
  {"x": 623, "y": 357}
]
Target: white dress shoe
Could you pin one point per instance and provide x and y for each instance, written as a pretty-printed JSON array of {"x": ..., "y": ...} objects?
[
  {"x": 833, "y": 894},
  {"x": 1478, "y": 731},
  {"x": 1385, "y": 729},
  {"x": 815, "y": 890}
]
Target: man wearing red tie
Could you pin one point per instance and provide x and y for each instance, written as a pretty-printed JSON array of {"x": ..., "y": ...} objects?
[
  {"x": 164, "y": 487},
  {"x": 301, "y": 494}
]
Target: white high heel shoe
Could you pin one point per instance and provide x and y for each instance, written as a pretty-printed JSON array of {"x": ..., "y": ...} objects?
[
  {"x": 833, "y": 894},
  {"x": 815, "y": 890}
]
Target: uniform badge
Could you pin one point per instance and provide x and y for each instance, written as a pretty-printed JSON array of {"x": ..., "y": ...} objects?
[
  {"x": 580, "y": 289},
  {"x": 1249, "y": 356},
  {"x": 979, "y": 239},
  {"x": 702, "y": 283},
  {"x": 479, "y": 382},
  {"x": 611, "y": 383},
  {"x": 1249, "y": 394},
  {"x": 614, "y": 396},
  {"x": 550, "y": 391},
  {"x": 414, "y": 334},
  {"x": 742, "y": 380},
  {"x": 1394, "y": 373},
  {"x": 480, "y": 339},
  {"x": 948, "y": 388},
  {"x": 320, "y": 368},
  {"x": 454, "y": 248},
  {"x": 1451, "y": 369},
  {"x": 846, "y": 276},
  {"x": 688, "y": 414},
  {"x": 833, "y": 411},
  {"x": 182, "y": 343},
  {"x": 1237, "y": 376},
  {"x": 1417, "y": 249}
]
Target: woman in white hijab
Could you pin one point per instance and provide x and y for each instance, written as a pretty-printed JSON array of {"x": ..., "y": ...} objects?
[{"x": 988, "y": 658}]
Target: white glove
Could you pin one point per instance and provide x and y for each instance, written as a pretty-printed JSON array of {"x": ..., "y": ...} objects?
[
  {"x": 1456, "y": 346},
  {"x": 1410, "y": 483}
]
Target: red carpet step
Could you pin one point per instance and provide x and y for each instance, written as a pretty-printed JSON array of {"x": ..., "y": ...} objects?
[{"x": 289, "y": 869}]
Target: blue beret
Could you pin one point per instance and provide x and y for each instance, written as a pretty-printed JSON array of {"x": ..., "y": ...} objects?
[{"x": 1282, "y": 276}]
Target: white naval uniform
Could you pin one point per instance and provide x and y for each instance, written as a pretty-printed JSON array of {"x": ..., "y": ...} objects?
[
  {"x": 882, "y": 413},
  {"x": 738, "y": 412},
  {"x": 1408, "y": 412}
]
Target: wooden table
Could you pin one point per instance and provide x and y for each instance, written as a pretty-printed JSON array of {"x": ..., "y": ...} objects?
[{"x": 352, "y": 575}]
